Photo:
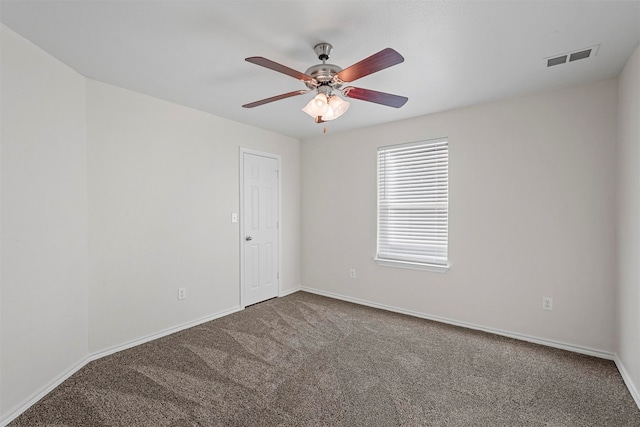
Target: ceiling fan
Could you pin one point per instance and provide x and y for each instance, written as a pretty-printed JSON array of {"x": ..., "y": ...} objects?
[{"x": 325, "y": 79}]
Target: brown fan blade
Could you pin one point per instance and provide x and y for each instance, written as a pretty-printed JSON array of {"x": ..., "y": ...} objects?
[
  {"x": 382, "y": 98},
  {"x": 275, "y": 98},
  {"x": 267, "y": 63},
  {"x": 376, "y": 62}
]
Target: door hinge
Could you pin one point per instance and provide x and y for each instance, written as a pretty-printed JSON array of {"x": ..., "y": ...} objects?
[{"x": 278, "y": 275}]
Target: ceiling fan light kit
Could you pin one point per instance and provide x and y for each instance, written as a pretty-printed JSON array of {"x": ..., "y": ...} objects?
[
  {"x": 318, "y": 106},
  {"x": 326, "y": 107},
  {"x": 337, "y": 107},
  {"x": 325, "y": 78}
]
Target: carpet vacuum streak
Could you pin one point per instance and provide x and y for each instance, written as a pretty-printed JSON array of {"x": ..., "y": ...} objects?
[{"x": 307, "y": 360}]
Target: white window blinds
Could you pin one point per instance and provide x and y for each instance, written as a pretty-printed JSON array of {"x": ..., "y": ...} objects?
[{"x": 413, "y": 199}]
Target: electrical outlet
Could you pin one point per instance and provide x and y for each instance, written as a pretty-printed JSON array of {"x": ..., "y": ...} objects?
[
  {"x": 182, "y": 293},
  {"x": 547, "y": 303},
  {"x": 352, "y": 273}
]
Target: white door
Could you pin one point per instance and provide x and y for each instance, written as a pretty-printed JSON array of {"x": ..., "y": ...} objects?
[{"x": 260, "y": 252}]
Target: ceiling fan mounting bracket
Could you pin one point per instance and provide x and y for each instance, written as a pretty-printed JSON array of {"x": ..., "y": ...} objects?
[{"x": 323, "y": 50}]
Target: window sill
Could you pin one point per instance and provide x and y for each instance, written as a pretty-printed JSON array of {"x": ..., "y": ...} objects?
[{"x": 412, "y": 265}]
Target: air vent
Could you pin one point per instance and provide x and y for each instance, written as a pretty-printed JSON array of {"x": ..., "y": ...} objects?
[
  {"x": 571, "y": 56},
  {"x": 556, "y": 61},
  {"x": 580, "y": 55}
]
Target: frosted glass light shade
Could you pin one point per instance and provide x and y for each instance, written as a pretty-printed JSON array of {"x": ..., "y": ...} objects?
[
  {"x": 307, "y": 109},
  {"x": 337, "y": 107},
  {"x": 318, "y": 106}
]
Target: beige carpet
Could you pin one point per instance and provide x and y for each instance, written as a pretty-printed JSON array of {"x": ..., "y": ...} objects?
[{"x": 306, "y": 360}]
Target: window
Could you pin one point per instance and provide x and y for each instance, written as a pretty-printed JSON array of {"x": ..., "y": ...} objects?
[{"x": 413, "y": 205}]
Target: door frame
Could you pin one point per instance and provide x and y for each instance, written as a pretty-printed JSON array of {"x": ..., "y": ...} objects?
[{"x": 241, "y": 236}]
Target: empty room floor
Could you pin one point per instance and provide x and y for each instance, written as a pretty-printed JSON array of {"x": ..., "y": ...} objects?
[{"x": 305, "y": 359}]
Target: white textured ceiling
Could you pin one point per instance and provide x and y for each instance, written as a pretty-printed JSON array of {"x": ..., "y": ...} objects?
[{"x": 456, "y": 53}]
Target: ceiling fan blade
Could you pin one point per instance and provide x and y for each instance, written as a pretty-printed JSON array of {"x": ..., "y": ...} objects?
[
  {"x": 267, "y": 63},
  {"x": 275, "y": 98},
  {"x": 376, "y": 62},
  {"x": 382, "y": 98}
]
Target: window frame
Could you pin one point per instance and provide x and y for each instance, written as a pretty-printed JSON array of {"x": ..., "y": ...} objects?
[{"x": 410, "y": 264}]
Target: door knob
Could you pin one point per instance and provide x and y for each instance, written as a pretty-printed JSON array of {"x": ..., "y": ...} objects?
[{"x": 248, "y": 238}]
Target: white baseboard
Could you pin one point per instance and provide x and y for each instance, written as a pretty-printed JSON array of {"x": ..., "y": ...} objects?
[
  {"x": 542, "y": 341},
  {"x": 550, "y": 343},
  {"x": 536, "y": 340},
  {"x": 17, "y": 411},
  {"x": 627, "y": 380},
  {"x": 163, "y": 333},
  {"x": 289, "y": 292}
]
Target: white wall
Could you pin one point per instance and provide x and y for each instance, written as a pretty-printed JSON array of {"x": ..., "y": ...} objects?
[
  {"x": 44, "y": 220},
  {"x": 628, "y": 319},
  {"x": 110, "y": 201},
  {"x": 163, "y": 182},
  {"x": 532, "y": 205}
]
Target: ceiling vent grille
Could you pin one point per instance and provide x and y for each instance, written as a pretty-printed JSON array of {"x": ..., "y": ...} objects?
[
  {"x": 576, "y": 55},
  {"x": 583, "y": 54},
  {"x": 556, "y": 61}
]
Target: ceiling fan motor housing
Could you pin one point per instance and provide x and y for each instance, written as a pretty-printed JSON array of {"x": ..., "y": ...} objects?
[{"x": 323, "y": 74}]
